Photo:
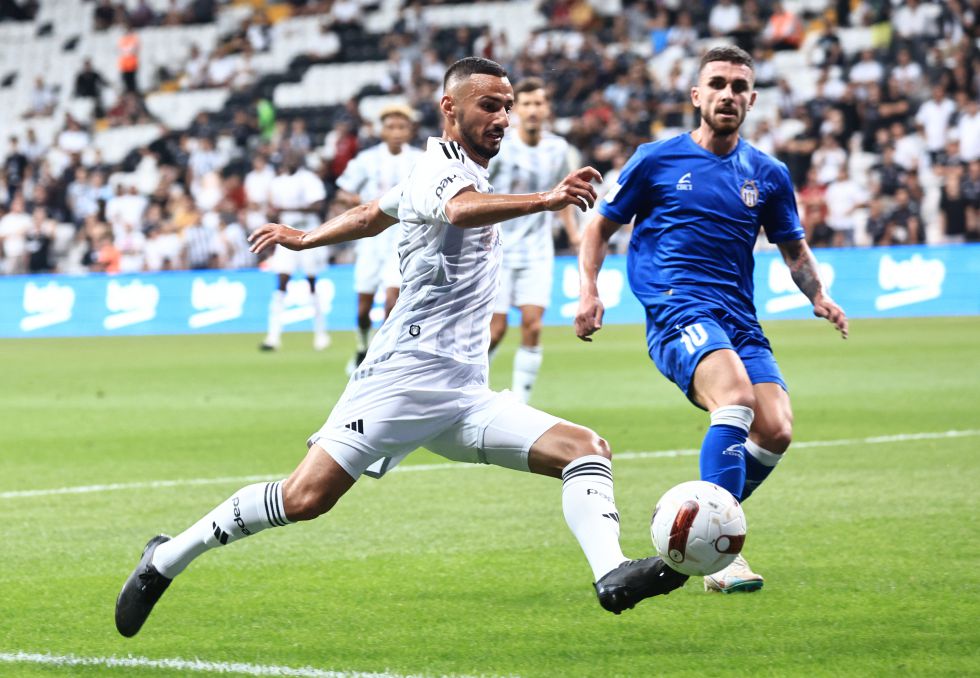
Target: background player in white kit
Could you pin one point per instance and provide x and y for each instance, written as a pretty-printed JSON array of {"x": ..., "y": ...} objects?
[
  {"x": 367, "y": 177},
  {"x": 530, "y": 159},
  {"x": 296, "y": 196},
  {"x": 424, "y": 381}
]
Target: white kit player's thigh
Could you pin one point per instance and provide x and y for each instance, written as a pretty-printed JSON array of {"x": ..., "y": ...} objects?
[
  {"x": 532, "y": 284},
  {"x": 498, "y": 431},
  {"x": 367, "y": 266},
  {"x": 284, "y": 261},
  {"x": 313, "y": 261},
  {"x": 391, "y": 407},
  {"x": 505, "y": 293}
]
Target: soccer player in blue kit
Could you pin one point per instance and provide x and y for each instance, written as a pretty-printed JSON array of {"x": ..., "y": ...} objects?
[{"x": 698, "y": 201}]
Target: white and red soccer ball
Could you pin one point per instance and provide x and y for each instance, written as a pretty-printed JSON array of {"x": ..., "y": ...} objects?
[{"x": 698, "y": 527}]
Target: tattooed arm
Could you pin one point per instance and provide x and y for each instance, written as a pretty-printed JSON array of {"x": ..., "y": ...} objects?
[{"x": 803, "y": 267}]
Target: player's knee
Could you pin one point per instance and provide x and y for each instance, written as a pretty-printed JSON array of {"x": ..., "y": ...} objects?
[
  {"x": 587, "y": 442},
  {"x": 531, "y": 331}
]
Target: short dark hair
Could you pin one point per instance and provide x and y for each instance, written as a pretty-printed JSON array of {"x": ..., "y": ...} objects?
[
  {"x": 729, "y": 53},
  {"x": 468, "y": 66},
  {"x": 528, "y": 85}
]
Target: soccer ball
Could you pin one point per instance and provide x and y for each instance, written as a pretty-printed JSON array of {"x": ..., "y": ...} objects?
[{"x": 698, "y": 527}]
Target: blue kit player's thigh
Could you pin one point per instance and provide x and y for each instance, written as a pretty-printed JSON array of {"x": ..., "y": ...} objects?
[
  {"x": 678, "y": 343},
  {"x": 756, "y": 354}
]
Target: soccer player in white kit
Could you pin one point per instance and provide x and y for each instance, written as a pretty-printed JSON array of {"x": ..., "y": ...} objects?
[
  {"x": 530, "y": 159},
  {"x": 296, "y": 196},
  {"x": 367, "y": 177},
  {"x": 424, "y": 380}
]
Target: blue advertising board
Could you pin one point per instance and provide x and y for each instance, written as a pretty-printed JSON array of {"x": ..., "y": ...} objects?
[{"x": 868, "y": 283}]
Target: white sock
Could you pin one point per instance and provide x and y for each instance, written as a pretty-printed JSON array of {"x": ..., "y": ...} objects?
[
  {"x": 319, "y": 317},
  {"x": 590, "y": 511},
  {"x": 527, "y": 362},
  {"x": 248, "y": 511},
  {"x": 276, "y": 306}
]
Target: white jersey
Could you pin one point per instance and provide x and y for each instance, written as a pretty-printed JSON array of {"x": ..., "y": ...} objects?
[
  {"x": 519, "y": 168},
  {"x": 450, "y": 275},
  {"x": 370, "y": 175},
  {"x": 293, "y": 192}
]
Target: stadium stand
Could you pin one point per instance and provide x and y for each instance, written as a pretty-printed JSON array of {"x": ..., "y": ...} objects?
[{"x": 880, "y": 97}]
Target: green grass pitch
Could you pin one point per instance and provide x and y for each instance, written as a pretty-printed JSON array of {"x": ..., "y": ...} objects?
[{"x": 870, "y": 548}]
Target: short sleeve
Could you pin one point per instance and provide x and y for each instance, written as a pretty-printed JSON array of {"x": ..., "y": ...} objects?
[
  {"x": 388, "y": 203},
  {"x": 629, "y": 194},
  {"x": 354, "y": 176},
  {"x": 443, "y": 182},
  {"x": 780, "y": 216}
]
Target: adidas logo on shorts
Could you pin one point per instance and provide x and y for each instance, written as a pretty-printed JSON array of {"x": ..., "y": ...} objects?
[{"x": 356, "y": 426}]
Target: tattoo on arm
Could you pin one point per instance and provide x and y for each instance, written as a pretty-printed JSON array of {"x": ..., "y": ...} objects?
[{"x": 803, "y": 267}]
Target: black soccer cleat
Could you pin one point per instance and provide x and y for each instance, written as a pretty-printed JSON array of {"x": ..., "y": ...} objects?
[
  {"x": 635, "y": 580},
  {"x": 141, "y": 591}
]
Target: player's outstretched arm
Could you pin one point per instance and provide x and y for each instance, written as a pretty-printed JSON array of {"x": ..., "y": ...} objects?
[
  {"x": 592, "y": 252},
  {"x": 470, "y": 209},
  {"x": 803, "y": 267},
  {"x": 358, "y": 222}
]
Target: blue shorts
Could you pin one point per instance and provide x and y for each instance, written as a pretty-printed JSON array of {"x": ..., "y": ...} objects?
[{"x": 680, "y": 332}]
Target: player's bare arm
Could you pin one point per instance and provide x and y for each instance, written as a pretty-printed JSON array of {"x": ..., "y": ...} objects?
[
  {"x": 592, "y": 252},
  {"x": 358, "y": 222},
  {"x": 803, "y": 267},
  {"x": 471, "y": 209}
]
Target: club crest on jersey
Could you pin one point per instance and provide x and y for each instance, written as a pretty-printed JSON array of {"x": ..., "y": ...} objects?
[
  {"x": 750, "y": 193},
  {"x": 684, "y": 183}
]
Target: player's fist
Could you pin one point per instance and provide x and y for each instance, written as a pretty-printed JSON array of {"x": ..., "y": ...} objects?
[
  {"x": 588, "y": 320},
  {"x": 270, "y": 235},
  {"x": 575, "y": 189}
]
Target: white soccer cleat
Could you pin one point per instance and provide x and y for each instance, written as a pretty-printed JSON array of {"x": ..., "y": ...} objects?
[
  {"x": 321, "y": 341},
  {"x": 738, "y": 576}
]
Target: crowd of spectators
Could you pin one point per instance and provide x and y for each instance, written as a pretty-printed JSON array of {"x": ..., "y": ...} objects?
[{"x": 885, "y": 150}]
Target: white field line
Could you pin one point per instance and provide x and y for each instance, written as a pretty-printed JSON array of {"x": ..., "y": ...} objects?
[
  {"x": 186, "y": 665},
  {"x": 617, "y": 456}
]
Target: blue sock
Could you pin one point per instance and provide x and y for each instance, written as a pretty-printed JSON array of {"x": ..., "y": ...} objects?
[
  {"x": 759, "y": 463},
  {"x": 723, "y": 451}
]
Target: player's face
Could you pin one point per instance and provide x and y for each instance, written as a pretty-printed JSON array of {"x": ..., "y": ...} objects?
[
  {"x": 478, "y": 112},
  {"x": 396, "y": 131},
  {"x": 724, "y": 94},
  {"x": 533, "y": 109}
]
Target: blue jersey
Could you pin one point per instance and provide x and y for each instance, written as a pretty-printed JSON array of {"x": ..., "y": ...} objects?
[{"x": 697, "y": 219}]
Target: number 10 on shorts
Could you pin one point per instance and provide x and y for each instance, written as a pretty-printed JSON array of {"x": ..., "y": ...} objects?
[{"x": 693, "y": 336}]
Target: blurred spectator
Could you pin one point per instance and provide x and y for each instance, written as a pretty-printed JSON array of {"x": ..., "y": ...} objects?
[
  {"x": 682, "y": 32},
  {"x": 888, "y": 175},
  {"x": 142, "y": 15},
  {"x": 907, "y": 73},
  {"x": 904, "y": 222},
  {"x": 39, "y": 243},
  {"x": 934, "y": 117},
  {"x": 105, "y": 14},
  {"x": 784, "y": 30},
  {"x": 953, "y": 206},
  {"x": 844, "y": 197},
  {"x": 968, "y": 129},
  {"x": 131, "y": 243},
  {"x": 201, "y": 246},
  {"x": 867, "y": 71},
  {"x": 14, "y": 168},
  {"x": 14, "y": 226},
  {"x": 128, "y": 47},
  {"x": 339, "y": 147},
  {"x": 829, "y": 159},
  {"x": 43, "y": 99},
  {"x": 106, "y": 257},
  {"x": 88, "y": 85},
  {"x": 724, "y": 18},
  {"x": 877, "y": 223}
]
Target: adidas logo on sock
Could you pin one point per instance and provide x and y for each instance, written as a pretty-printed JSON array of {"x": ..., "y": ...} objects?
[
  {"x": 611, "y": 516},
  {"x": 357, "y": 426},
  {"x": 219, "y": 534}
]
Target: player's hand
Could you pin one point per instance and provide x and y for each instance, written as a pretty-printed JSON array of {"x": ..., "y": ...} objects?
[
  {"x": 270, "y": 235},
  {"x": 575, "y": 189},
  {"x": 588, "y": 320},
  {"x": 825, "y": 307}
]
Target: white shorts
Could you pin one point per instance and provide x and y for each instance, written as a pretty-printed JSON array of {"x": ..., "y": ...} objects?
[
  {"x": 309, "y": 262},
  {"x": 410, "y": 400},
  {"x": 376, "y": 263},
  {"x": 528, "y": 285}
]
